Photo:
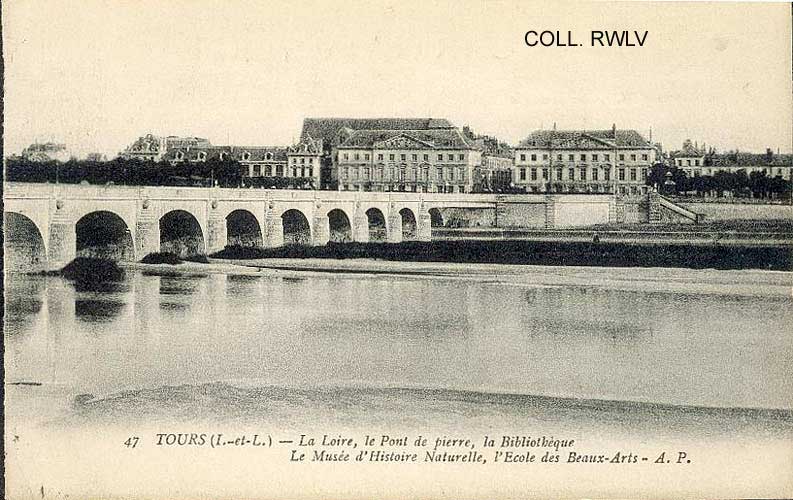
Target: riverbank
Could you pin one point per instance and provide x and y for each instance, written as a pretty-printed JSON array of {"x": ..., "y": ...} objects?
[{"x": 542, "y": 253}]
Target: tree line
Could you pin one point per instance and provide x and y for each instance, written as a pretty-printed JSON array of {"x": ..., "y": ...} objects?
[
  {"x": 220, "y": 173},
  {"x": 739, "y": 184}
]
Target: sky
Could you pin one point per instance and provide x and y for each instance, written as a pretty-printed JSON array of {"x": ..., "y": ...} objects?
[{"x": 97, "y": 74}]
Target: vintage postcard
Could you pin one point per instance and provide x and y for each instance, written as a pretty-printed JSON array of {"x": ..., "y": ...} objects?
[{"x": 398, "y": 250}]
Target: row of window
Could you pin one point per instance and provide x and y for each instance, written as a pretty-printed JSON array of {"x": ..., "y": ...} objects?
[
  {"x": 688, "y": 162},
  {"x": 582, "y": 174},
  {"x": 293, "y": 160},
  {"x": 413, "y": 188},
  {"x": 278, "y": 171},
  {"x": 583, "y": 157},
  {"x": 403, "y": 157},
  {"x": 452, "y": 174}
]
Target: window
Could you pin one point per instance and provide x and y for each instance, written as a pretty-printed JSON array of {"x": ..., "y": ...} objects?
[
  {"x": 606, "y": 174},
  {"x": 644, "y": 174},
  {"x": 583, "y": 174},
  {"x": 391, "y": 157},
  {"x": 461, "y": 157},
  {"x": 402, "y": 156},
  {"x": 533, "y": 157},
  {"x": 688, "y": 163},
  {"x": 558, "y": 174},
  {"x": 357, "y": 157},
  {"x": 622, "y": 174},
  {"x": 594, "y": 157},
  {"x": 545, "y": 157},
  {"x": 257, "y": 170},
  {"x": 311, "y": 160},
  {"x": 523, "y": 174},
  {"x": 366, "y": 157},
  {"x": 426, "y": 157},
  {"x": 451, "y": 157},
  {"x": 345, "y": 156},
  {"x": 570, "y": 157},
  {"x": 583, "y": 157},
  {"x": 607, "y": 157},
  {"x": 644, "y": 157},
  {"x": 545, "y": 174},
  {"x": 558, "y": 157},
  {"x": 303, "y": 160},
  {"x": 633, "y": 157},
  {"x": 696, "y": 163},
  {"x": 534, "y": 174},
  {"x": 415, "y": 157},
  {"x": 439, "y": 173},
  {"x": 570, "y": 174},
  {"x": 622, "y": 157},
  {"x": 279, "y": 171},
  {"x": 522, "y": 157},
  {"x": 633, "y": 174},
  {"x": 380, "y": 156},
  {"x": 310, "y": 172},
  {"x": 302, "y": 171},
  {"x": 594, "y": 174}
]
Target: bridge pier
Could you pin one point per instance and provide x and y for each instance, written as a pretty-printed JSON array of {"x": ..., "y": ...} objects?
[
  {"x": 147, "y": 236},
  {"x": 360, "y": 227},
  {"x": 273, "y": 231},
  {"x": 424, "y": 226},
  {"x": 394, "y": 226},
  {"x": 321, "y": 233},
  {"x": 63, "y": 243},
  {"x": 216, "y": 234}
]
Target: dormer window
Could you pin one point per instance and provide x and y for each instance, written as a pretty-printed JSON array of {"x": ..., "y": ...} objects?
[
  {"x": 202, "y": 156},
  {"x": 246, "y": 156},
  {"x": 223, "y": 156},
  {"x": 179, "y": 155},
  {"x": 268, "y": 156}
]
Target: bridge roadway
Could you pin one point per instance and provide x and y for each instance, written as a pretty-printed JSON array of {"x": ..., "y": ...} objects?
[{"x": 153, "y": 216}]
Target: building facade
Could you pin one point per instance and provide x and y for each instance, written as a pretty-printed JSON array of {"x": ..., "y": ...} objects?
[
  {"x": 424, "y": 161},
  {"x": 154, "y": 148},
  {"x": 584, "y": 161},
  {"x": 333, "y": 131},
  {"x": 48, "y": 151}
]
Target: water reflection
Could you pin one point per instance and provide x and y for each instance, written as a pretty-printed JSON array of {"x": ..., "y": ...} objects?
[{"x": 578, "y": 341}]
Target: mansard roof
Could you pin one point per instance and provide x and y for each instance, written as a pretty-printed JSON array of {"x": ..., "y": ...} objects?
[
  {"x": 327, "y": 128},
  {"x": 408, "y": 139},
  {"x": 257, "y": 153},
  {"x": 585, "y": 139},
  {"x": 307, "y": 146}
]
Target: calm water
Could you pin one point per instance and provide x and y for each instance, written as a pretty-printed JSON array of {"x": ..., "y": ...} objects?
[{"x": 581, "y": 341}]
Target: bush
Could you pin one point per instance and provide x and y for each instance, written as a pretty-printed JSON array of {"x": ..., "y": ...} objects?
[
  {"x": 89, "y": 270},
  {"x": 161, "y": 258}
]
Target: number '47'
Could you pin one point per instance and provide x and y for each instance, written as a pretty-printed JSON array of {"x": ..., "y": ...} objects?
[{"x": 131, "y": 442}]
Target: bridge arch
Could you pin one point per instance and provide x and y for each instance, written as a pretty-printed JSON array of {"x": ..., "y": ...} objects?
[
  {"x": 409, "y": 225},
  {"x": 340, "y": 227},
  {"x": 377, "y": 224},
  {"x": 23, "y": 245},
  {"x": 181, "y": 234},
  {"x": 104, "y": 234},
  {"x": 436, "y": 218},
  {"x": 297, "y": 230},
  {"x": 243, "y": 229}
]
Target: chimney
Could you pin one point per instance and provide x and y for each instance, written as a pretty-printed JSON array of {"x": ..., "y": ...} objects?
[
  {"x": 554, "y": 126},
  {"x": 614, "y": 130}
]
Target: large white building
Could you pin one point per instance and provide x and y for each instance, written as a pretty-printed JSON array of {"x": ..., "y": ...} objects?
[{"x": 584, "y": 161}]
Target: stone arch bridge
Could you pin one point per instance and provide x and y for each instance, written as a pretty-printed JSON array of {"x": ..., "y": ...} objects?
[
  {"x": 56, "y": 223},
  {"x": 46, "y": 225}
]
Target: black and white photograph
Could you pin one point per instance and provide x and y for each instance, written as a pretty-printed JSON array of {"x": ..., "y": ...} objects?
[{"x": 398, "y": 250}]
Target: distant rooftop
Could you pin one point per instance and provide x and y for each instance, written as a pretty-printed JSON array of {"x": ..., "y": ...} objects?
[
  {"x": 327, "y": 128},
  {"x": 585, "y": 139}
]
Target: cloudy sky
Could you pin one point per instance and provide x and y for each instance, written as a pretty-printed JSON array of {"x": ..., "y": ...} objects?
[{"x": 96, "y": 74}]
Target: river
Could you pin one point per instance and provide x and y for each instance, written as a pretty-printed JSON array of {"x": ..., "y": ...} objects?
[{"x": 652, "y": 352}]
